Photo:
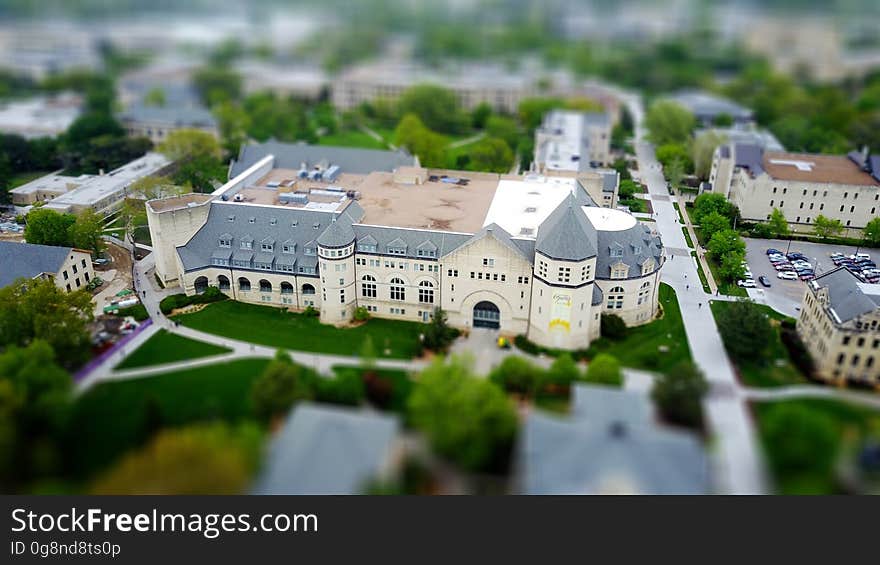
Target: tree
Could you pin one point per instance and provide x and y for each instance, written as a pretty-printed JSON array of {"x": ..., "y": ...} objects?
[
  {"x": 503, "y": 128},
  {"x": 197, "y": 156},
  {"x": 155, "y": 97},
  {"x": 703, "y": 150},
  {"x": 480, "y": 114},
  {"x": 86, "y": 231},
  {"x": 804, "y": 442},
  {"x": 90, "y": 126},
  {"x": 668, "y": 153},
  {"x": 282, "y": 384},
  {"x": 872, "y": 231},
  {"x": 203, "y": 459},
  {"x": 438, "y": 335},
  {"x": 669, "y": 122},
  {"x": 726, "y": 242},
  {"x": 731, "y": 266},
  {"x": 604, "y": 369},
  {"x": 491, "y": 155},
  {"x": 48, "y": 227},
  {"x": 37, "y": 309},
  {"x": 745, "y": 331},
  {"x": 712, "y": 223},
  {"x": 284, "y": 119},
  {"x": 709, "y": 202},
  {"x": 675, "y": 172},
  {"x": 517, "y": 374},
  {"x": 216, "y": 85},
  {"x": 466, "y": 419},
  {"x": 420, "y": 141},
  {"x": 436, "y": 107},
  {"x": 723, "y": 120},
  {"x": 531, "y": 111},
  {"x": 778, "y": 224},
  {"x": 679, "y": 394},
  {"x": 613, "y": 326},
  {"x": 826, "y": 227},
  {"x": 562, "y": 372},
  {"x": 234, "y": 124}
]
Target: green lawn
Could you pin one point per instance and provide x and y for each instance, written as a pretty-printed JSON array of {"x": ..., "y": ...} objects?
[
  {"x": 277, "y": 327},
  {"x": 687, "y": 237},
  {"x": 116, "y": 416},
  {"x": 24, "y": 178},
  {"x": 641, "y": 348},
  {"x": 779, "y": 369},
  {"x": 165, "y": 347},
  {"x": 351, "y": 138},
  {"x": 852, "y": 422},
  {"x": 701, "y": 273}
]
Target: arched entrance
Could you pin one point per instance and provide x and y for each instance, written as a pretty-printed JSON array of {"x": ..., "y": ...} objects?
[
  {"x": 487, "y": 315},
  {"x": 201, "y": 285}
]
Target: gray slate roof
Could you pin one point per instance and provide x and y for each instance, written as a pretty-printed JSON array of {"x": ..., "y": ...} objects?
[
  {"x": 706, "y": 106},
  {"x": 519, "y": 246},
  {"x": 28, "y": 260},
  {"x": 383, "y": 236},
  {"x": 749, "y": 156},
  {"x": 337, "y": 234},
  {"x": 597, "y": 296},
  {"x": 609, "y": 449},
  {"x": 567, "y": 234},
  {"x": 179, "y": 116},
  {"x": 292, "y": 155},
  {"x": 847, "y": 301},
  {"x": 637, "y": 245},
  {"x": 328, "y": 450}
]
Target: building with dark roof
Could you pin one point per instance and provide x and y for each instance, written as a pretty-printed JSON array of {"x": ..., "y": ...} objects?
[
  {"x": 178, "y": 108},
  {"x": 70, "y": 268},
  {"x": 530, "y": 254},
  {"x": 610, "y": 443},
  {"x": 708, "y": 108},
  {"x": 839, "y": 324}
]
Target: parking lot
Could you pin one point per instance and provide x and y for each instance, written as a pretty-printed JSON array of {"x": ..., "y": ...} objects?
[{"x": 785, "y": 296}]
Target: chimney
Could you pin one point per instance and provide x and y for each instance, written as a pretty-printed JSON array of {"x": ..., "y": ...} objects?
[
  {"x": 101, "y": 172},
  {"x": 866, "y": 161}
]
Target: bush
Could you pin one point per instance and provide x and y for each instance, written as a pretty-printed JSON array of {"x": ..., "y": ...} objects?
[
  {"x": 379, "y": 390},
  {"x": 281, "y": 385},
  {"x": 346, "y": 388},
  {"x": 361, "y": 314},
  {"x": 679, "y": 395},
  {"x": 745, "y": 331},
  {"x": 137, "y": 311},
  {"x": 604, "y": 369},
  {"x": 797, "y": 351},
  {"x": 561, "y": 374},
  {"x": 311, "y": 311},
  {"x": 517, "y": 374},
  {"x": 613, "y": 326},
  {"x": 438, "y": 336}
]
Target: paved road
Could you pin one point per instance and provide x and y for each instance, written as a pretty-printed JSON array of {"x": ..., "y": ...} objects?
[{"x": 737, "y": 461}]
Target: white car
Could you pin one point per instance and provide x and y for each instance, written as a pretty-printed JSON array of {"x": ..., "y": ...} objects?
[
  {"x": 787, "y": 275},
  {"x": 747, "y": 283}
]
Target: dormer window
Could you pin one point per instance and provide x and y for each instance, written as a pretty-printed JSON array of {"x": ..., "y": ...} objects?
[
  {"x": 266, "y": 247},
  {"x": 289, "y": 248},
  {"x": 397, "y": 250},
  {"x": 616, "y": 252},
  {"x": 309, "y": 250},
  {"x": 225, "y": 242},
  {"x": 367, "y": 247}
]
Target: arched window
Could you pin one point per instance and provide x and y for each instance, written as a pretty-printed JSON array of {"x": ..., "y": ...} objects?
[
  {"x": 244, "y": 284},
  {"x": 368, "y": 286},
  {"x": 615, "y": 298},
  {"x": 397, "y": 290},
  {"x": 286, "y": 288},
  {"x": 265, "y": 286},
  {"x": 644, "y": 291},
  {"x": 308, "y": 289},
  {"x": 426, "y": 292},
  {"x": 223, "y": 282},
  {"x": 201, "y": 284}
]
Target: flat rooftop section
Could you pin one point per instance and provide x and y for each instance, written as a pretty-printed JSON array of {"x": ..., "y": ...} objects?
[
  {"x": 275, "y": 187},
  {"x": 520, "y": 206},
  {"x": 99, "y": 186},
  {"x": 40, "y": 116},
  {"x": 437, "y": 204},
  {"x": 565, "y": 151},
  {"x": 178, "y": 202},
  {"x": 51, "y": 183},
  {"x": 807, "y": 167}
]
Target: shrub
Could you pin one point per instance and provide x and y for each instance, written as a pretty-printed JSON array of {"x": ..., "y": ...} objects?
[
  {"x": 613, "y": 326},
  {"x": 797, "y": 351},
  {"x": 137, "y": 311},
  {"x": 281, "y": 385},
  {"x": 438, "y": 336},
  {"x": 175, "y": 301},
  {"x": 561, "y": 373},
  {"x": 745, "y": 331},
  {"x": 517, "y": 374},
  {"x": 361, "y": 314},
  {"x": 346, "y": 388},
  {"x": 679, "y": 394},
  {"x": 311, "y": 311},
  {"x": 379, "y": 390},
  {"x": 604, "y": 369}
]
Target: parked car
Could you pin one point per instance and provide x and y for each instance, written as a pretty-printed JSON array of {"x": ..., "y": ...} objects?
[
  {"x": 772, "y": 251},
  {"x": 807, "y": 276},
  {"x": 796, "y": 255},
  {"x": 764, "y": 281},
  {"x": 787, "y": 275},
  {"x": 863, "y": 256},
  {"x": 784, "y": 267},
  {"x": 746, "y": 283}
]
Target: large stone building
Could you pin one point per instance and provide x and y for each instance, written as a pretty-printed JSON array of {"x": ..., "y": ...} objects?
[
  {"x": 840, "y": 326},
  {"x": 802, "y": 186},
  {"x": 70, "y": 268},
  {"x": 530, "y": 255}
]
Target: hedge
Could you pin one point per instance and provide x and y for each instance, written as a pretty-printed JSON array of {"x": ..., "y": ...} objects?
[{"x": 175, "y": 301}]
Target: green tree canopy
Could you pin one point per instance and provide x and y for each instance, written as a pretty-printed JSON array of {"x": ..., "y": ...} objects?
[
  {"x": 671, "y": 152},
  {"x": 466, "y": 419},
  {"x": 804, "y": 442},
  {"x": 480, "y": 114},
  {"x": 436, "y": 107},
  {"x": 216, "y": 85},
  {"x": 48, "y": 227},
  {"x": 36, "y": 309},
  {"x": 872, "y": 231},
  {"x": 86, "y": 231},
  {"x": 517, "y": 374},
  {"x": 702, "y": 151},
  {"x": 712, "y": 223},
  {"x": 604, "y": 369},
  {"x": 504, "y": 128},
  {"x": 562, "y": 372},
  {"x": 778, "y": 224},
  {"x": 826, "y": 227},
  {"x": 669, "y": 122},
  {"x": 745, "y": 330},
  {"x": 709, "y": 202},
  {"x": 201, "y": 459},
  {"x": 282, "y": 384},
  {"x": 491, "y": 155},
  {"x": 726, "y": 242},
  {"x": 197, "y": 159},
  {"x": 679, "y": 394},
  {"x": 412, "y": 134}
]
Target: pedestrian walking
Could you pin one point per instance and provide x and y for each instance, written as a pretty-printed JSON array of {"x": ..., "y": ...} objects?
[
  {"x": 687, "y": 287},
  {"x": 700, "y": 305}
]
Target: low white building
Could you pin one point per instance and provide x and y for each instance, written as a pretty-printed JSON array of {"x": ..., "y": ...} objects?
[
  {"x": 573, "y": 141},
  {"x": 40, "y": 116}
]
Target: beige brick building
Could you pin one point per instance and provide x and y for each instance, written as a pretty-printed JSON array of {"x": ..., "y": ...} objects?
[
  {"x": 530, "y": 255},
  {"x": 840, "y": 326},
  {"x": 802, "y": 186}
]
